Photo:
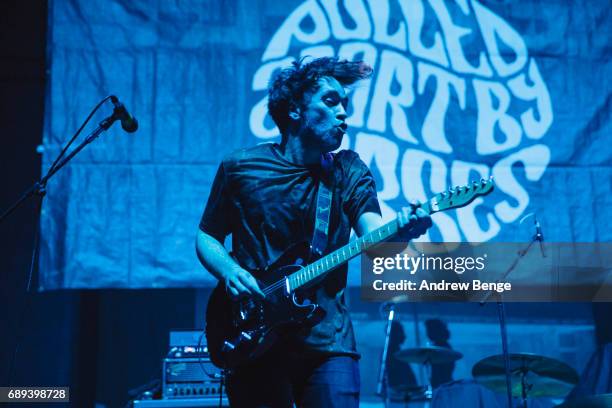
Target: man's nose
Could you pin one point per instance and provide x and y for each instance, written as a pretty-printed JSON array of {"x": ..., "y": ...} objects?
[{"x": 341, "y": 113}]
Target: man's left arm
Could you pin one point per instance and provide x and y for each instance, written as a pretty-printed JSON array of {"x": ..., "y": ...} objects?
[
  {"x": 413, "y": 222},
  {"x": 361, "y": 203}
]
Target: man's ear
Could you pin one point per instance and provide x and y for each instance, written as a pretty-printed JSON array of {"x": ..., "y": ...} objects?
[{"x": 294, "y": 113}]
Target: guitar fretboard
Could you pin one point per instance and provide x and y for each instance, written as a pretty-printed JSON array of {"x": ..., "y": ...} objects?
[{"x": 341, "y": 255}]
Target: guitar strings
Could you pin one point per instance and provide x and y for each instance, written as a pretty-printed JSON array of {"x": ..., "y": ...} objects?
[
  {"x": 273, "y": 287},
  {"x": 279, "y": 284}
]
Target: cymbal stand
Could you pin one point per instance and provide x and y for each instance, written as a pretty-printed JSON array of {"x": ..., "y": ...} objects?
[
  {"x": 524, "y": 386},
  {"x": 382, "y": 386},
  {"x": 502, "y": 315},
  {"x": 428, "y": 371}
]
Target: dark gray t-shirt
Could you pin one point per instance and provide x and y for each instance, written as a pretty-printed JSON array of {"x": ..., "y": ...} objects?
[{"x": 268, "y": 203}]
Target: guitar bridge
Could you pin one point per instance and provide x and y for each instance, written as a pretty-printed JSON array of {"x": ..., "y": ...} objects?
[{"x": 248, "y": 314}]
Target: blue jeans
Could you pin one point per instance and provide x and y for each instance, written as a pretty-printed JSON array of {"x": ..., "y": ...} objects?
[{"x": 278, "y": 380}]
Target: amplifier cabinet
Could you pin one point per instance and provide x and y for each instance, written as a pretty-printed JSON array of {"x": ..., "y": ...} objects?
[{"x": 190, "y": 378}]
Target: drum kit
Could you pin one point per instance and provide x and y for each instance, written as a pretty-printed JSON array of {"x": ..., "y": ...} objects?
[{"x": 531, "y": 376}]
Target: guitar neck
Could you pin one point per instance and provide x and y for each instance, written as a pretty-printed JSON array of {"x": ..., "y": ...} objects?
[
  {"x": 453, "y": 198},
  {"x": 342, "y": 255}
]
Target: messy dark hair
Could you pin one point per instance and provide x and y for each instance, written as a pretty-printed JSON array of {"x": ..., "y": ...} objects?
[{"x": 288, "y": 88}]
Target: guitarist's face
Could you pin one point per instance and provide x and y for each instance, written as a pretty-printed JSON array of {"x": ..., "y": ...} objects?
[{"x": 324, "y": 116}]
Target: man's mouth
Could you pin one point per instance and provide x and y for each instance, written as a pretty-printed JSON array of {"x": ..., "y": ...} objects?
[{"x": 343, "y": 126}]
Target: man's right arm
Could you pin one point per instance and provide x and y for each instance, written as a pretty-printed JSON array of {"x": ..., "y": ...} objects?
[{"x": 215, "y": 258}]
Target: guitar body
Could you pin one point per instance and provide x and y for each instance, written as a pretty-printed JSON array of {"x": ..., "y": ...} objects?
[{"x": 239, "y": 331}]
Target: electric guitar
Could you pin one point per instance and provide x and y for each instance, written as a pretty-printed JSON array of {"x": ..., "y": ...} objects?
[{"x": 239, "y": 331}]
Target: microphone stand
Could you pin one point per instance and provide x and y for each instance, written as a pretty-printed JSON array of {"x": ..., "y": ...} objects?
[
  {"x": 382, "y": 386},
  {"x": 39, "y": 188},
  {"x": 501, "y": 313}
]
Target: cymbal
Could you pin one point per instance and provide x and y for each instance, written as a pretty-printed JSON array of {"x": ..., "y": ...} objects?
[
  {"x": 593, "y": 401},
  {"x": 544, "y": 376},
  {"x": 428, "y": 355}
]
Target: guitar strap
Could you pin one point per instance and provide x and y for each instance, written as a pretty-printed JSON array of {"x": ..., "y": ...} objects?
[{"x": 322, "y": 213}]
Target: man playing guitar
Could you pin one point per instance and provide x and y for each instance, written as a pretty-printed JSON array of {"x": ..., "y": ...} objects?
[{"x": 266, "y": 198}]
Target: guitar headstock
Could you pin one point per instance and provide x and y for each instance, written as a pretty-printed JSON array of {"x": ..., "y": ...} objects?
[{"x": 461, "y": 196}]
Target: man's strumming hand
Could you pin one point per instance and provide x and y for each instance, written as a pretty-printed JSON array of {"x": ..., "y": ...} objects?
[{"x": 240, "y": 283}]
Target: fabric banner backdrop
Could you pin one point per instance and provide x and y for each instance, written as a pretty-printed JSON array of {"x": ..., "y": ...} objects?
[{"x": 462, "y": 89}]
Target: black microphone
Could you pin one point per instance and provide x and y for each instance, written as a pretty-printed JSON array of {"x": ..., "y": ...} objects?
[
  {"x": 539, "y": 237},
  {"x": 128, "y": 122}
]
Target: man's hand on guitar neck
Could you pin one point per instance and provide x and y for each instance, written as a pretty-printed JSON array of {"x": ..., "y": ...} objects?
[{"x": 412, "y": 221}]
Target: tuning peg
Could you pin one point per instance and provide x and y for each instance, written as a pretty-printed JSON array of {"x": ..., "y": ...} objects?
[
  {"x": 443, "y": 194},
  {"x": 483, "y": 181},
  {"x": 458, "y": 189}
]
